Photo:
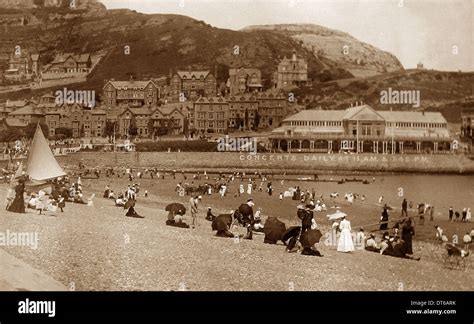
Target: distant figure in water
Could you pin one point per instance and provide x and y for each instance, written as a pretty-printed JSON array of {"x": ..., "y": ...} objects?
[{"x": 18, "y": 204}]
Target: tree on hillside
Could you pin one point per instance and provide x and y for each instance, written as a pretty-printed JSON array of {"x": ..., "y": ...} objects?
[
  {"x": 186, "y": 127},
  {"x": 63, "y": 132},
  {"x": 109, "y": 128},
  {"x": 133, "y": 129},
  {"x": 10, "y": 135},
  {"x": 30, "y": 130}
]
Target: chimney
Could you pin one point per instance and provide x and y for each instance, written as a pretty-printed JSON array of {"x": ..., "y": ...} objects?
[{"x": 293, "y": 57}]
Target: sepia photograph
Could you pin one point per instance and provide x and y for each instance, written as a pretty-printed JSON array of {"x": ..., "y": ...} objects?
[{"x": 237, "y": 146}]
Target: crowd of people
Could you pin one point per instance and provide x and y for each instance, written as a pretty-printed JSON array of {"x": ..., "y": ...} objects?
[
  {"x": 49, "y": 198},
  {"x": 397, "y": 243}
]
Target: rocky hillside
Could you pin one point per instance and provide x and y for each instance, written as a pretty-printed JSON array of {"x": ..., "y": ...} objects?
[
  {"x": 359, "y": 58},
  {"x": 38, "y": 4},
  {"x": 439, "y": 91},
  {"x": 160, "y": 43}
]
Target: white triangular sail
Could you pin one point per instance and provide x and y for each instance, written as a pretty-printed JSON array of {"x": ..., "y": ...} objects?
[
  {"x": 19, "y": 172},
  {"x": 41, "y": 162}
]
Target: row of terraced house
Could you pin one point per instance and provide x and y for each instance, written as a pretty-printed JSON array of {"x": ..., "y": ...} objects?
[{"x": 135, "y": 108}]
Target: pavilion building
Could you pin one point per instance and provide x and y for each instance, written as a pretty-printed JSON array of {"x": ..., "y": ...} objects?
[{"x": 362, "y": 129}]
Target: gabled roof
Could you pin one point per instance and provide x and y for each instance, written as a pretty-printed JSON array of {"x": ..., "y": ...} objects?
[
  {"x": 170, "y": 107},
  {"x": 27, "y": 110},
  {"x": 249, "y": 71},
  {"x": 413, "y": 116},
  {"x": 270, "y": 95},
  {"x": 242, "y": 97},
  {"x": 78, "y": 58},
  {"x": 363, "y": 112},
  {"x": 130, "y": 85},
  {"x": 136, "y": 111},
  {"x": 166, "y": 110},
  {"x": 216, "y": 100},
  {"x": 191, "y": 74}
]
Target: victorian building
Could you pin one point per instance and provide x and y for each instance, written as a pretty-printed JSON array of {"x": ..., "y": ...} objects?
[
  {"x": 291, "y": 73},
  {"x": 192, "y": 85},
  {"x": 244, "y": 80},
  {"x": 134, "y": 94},
  {"x": 361, "y": 129}
]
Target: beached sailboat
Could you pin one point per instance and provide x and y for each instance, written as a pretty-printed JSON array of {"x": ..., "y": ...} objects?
[{"x": 41, "y": 166}]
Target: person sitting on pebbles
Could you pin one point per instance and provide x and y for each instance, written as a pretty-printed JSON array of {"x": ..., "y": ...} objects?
[
  {"x": 371, "y": 245},
  {"x": 258, "y": 226},
  {"x": 209, "y": 216}
]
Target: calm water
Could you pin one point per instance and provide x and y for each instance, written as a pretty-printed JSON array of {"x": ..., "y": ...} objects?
[{"x": 440, "y": 190}]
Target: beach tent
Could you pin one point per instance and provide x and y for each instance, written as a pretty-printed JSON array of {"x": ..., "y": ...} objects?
[{"x": 41, "y": 164}]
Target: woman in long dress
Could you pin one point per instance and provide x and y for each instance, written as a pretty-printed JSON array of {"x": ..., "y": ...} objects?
[
  {"x": 18, "y": 204},
  {"x": 384, "y": 220},
  {"x": 345, "y": 243}
]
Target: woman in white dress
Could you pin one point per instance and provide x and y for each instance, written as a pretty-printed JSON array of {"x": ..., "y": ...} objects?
[{"x": 345, "y": 243}]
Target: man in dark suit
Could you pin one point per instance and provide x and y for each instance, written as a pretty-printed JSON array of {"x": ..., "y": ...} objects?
[{"x": 405, "y": 208}]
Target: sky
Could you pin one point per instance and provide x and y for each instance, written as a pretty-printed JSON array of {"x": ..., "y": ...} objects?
[{"x": 438, "y": 33}]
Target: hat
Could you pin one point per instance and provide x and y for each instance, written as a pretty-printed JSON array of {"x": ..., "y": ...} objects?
[
  {"x": 372, "y": 235},
  {"x": 209, "y": 208}
]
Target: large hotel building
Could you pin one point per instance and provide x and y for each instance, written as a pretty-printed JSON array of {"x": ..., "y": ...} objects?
[{"x": 361, "y": 129}]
